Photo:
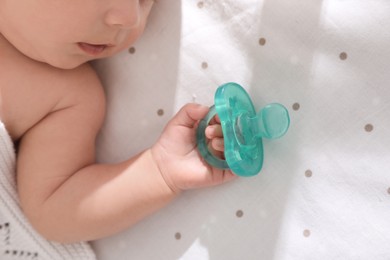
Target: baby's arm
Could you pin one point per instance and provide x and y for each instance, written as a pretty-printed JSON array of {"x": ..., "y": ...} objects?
[
  {"x": 67, "y": 197},
  {"x": 64, "y": 194}
]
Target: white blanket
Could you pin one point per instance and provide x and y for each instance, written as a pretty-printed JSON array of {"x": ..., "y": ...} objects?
[{"x": 324, "y": 190}]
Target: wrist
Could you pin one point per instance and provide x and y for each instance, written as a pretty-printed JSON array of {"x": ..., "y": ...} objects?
[{"x": 158, "y": 162}]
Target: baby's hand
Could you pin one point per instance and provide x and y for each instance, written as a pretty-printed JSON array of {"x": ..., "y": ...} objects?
[
  {"x": 177, "y": 156},
  {"x": 214, "y": 134}
]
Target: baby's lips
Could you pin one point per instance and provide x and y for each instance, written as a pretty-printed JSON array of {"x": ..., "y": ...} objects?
[{"x": 92, "y": 49}]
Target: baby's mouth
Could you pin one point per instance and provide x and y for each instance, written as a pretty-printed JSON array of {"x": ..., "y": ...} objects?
[{"x": 92, "y": 49}]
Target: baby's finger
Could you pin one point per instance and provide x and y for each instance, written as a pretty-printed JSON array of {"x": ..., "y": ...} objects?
[
  {"x": 213, "y": 131},
  {"x": 217, "y": 144},
  {"x": 216, "y": 153},
  {"x": 227, "y": 175},
  {"x": 189, "y": 114}
]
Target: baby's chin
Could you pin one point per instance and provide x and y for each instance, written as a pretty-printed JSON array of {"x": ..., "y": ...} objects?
[
  {"x": 73, "y": 62},
  {"x": 68, "y": 64}
]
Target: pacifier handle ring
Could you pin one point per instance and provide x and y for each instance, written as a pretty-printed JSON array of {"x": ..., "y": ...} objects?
[{"x": 202, "y": 142}]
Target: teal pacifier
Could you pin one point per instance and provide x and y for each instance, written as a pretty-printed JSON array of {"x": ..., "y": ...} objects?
[{"x": 243, "y": 130}]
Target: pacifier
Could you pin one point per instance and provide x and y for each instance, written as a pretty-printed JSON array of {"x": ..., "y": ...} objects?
[{"x": 243, "y": 130}]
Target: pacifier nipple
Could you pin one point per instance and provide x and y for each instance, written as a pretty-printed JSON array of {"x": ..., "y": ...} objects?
[{"x": 273, "y": 121}]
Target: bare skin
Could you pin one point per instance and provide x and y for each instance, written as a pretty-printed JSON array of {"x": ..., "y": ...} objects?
[{"x": 55, "y": 110}]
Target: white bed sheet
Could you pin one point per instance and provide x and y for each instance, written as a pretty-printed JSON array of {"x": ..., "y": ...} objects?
[{"x": 324, "y": 190}]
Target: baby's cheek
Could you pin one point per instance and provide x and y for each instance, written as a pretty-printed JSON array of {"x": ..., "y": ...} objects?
[{"x": 132, "y": 37}]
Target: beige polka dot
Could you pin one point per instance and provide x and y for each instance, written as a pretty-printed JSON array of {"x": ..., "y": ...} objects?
[
  {"x": 200, "y": 4},
  {"x": 262, "y": 41},
  {"x": 239, "y": 213},
  {"x": 178, "y": 236},
  {"x": 343, "y": 56},
  {"x": 205, "y": 65},
  {"x": 306, "y": 233},
  {"x": 308, "y": 173},
  {"x": 132, "y": 50},
  {"x": 160, "y": 112},
  {"x": 368, "y": 127},
  {"x": 296, "y": 106}
]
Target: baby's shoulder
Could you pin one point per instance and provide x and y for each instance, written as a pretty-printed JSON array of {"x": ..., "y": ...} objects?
[{"x": 31, "y": 90}]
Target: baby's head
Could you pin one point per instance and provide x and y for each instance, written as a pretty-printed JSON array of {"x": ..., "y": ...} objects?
[{"x": 68, "y": 33}]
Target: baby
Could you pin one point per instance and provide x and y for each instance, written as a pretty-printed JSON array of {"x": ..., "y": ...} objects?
[{"x": 52, "y": 104}]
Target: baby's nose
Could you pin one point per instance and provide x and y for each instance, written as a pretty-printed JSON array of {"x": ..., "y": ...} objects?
[{"x": 125, "y": 14}]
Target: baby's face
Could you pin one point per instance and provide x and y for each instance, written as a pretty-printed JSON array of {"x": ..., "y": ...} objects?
[{"x": 67, "y": 33}]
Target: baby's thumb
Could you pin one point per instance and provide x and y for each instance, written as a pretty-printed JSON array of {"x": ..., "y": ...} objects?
[{"x": 190, "y": 114}]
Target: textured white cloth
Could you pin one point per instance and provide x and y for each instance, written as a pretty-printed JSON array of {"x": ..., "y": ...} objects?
[
  {"x": 324, "y": 190},
  {"x": 18, "y": 239}
]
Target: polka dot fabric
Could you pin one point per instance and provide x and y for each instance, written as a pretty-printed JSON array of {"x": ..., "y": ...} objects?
[{"x": 324, "y": 190}]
